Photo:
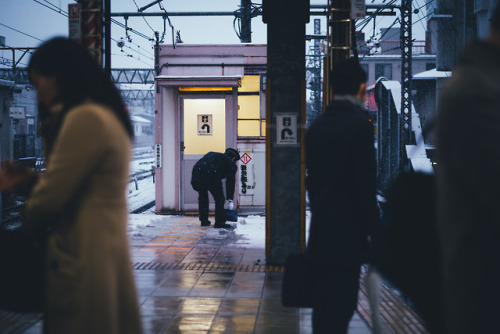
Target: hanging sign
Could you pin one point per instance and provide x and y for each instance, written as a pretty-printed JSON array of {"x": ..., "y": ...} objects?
[
  {"x": 358, "y": 9},
  {"x": 74, "y": 25},
  {"x": 205, "y": 125}
]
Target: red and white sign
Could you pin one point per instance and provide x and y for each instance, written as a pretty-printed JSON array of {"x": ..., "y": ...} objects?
[
  {"x": 74, "y": 25},
  {"x": 245, "y": 158},
  {"x": 358, "y": 9}
]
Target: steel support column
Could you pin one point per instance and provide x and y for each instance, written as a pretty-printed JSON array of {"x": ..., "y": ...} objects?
[
  {"x": 285, "y": 127},
  {"x": 406, "y": 74},
  {"x": 246, "y": 21},
  {"x": 339, "y": 38},
  {"x": 107, "y": 36}
]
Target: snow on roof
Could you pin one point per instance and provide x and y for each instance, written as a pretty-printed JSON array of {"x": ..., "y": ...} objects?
[
  {"x": 395, "y": 88},
  {"x": 139, "y": 119},
  {"x": 432, "y": 74}
]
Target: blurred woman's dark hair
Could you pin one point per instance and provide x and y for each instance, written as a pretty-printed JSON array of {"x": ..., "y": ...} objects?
[{"x": 78, "y": 78}]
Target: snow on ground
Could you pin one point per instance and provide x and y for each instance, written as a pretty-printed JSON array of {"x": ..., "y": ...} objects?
[
  {"x": 141, "y": 165},
  {"x": 249, "y": 232},
  {"x": 140, "y": 194}
]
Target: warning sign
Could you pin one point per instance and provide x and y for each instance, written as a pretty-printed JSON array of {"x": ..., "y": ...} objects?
[
  {"x": 205, "y": 125},
  {"x": 75, "y": 31},
  {"x": 245, "y": 158}
]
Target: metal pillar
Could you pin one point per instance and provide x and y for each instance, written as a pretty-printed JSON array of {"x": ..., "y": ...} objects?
[
  {"x": 107, "y": 36},
  {"x": 246, "y": 21},
  {"x": 285, "y": 127},
  {"x": 339, "y": 37},
  {"x": 91, "y": 20},
  {"x": 314, "y": 67},
  {"x": 406, "y": 74}
]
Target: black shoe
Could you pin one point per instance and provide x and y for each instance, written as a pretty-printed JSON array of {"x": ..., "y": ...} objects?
[
  {"x": 206, "y": 223},
  {"x": 223, "y": 225}
]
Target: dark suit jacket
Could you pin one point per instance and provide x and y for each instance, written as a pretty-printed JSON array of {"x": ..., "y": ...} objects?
[
  {"x": 341, "y": 183},
  {"x": 212, "y": 168}
]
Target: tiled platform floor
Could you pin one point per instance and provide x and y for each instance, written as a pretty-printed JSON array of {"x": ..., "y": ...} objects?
[
  {"x": 194, "y": 279},
  {"x": 231, "y": 292}
]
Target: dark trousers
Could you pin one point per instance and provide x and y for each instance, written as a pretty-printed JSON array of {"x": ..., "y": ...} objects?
[
  {"x": 335, "y": 299},
  {"x": 218, "y": 195}
]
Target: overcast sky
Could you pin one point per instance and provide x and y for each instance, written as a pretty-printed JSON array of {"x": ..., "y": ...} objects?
[{"x": 26, "y": 23}]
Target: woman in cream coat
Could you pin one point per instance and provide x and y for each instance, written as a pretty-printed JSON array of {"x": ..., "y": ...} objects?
[{"x": 80, "y": 197}]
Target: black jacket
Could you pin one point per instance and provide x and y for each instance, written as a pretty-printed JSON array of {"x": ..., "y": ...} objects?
[
  {"x": 212, "y": 168},
  {"x": 341, "y": 183}
]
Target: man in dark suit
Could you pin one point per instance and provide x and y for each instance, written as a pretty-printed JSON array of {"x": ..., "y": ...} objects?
[
  {"x": 341, "y": 183},
  {"x": 207, "y": 175}
]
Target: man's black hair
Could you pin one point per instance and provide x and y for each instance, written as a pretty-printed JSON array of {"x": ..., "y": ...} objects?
[
  {"x": 495, "y": 17},
  {"x": 346, "y": 77},
  {"x": 231, "y": 152}
]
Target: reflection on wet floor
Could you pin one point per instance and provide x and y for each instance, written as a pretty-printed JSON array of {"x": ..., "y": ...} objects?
[
  {"x": 229, "y": 291},
  {"x": 213, "y": 301}
]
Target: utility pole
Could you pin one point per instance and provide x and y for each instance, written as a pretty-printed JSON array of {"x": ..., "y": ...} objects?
[
  {"x": 314, "y": 66},
  {"x": 285, "y": 128},
  {"x": 339, "y": 37},
  {"x": 91, "y": 21},
  {"x": 406, "y": 74},
  {"x": 246, "y": 21},
  {"x": 107, "y": 37}
]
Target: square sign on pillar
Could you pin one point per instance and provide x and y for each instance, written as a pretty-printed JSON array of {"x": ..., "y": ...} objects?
[
  {"x": 205, "y": 125},
  {"x": 286, "y": 130}
]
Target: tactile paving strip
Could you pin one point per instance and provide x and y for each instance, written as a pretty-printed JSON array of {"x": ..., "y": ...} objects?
[
  {"x": 155, "y": 265},
  {"x": 396, "y": 317}
]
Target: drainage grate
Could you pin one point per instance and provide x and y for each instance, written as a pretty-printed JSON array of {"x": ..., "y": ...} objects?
[{"x": 153, "y": 265}]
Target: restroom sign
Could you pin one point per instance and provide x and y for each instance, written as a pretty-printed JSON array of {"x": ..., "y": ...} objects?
[
  {"x": 286, "y": 129},
  {"x": 205, "y": 125}
]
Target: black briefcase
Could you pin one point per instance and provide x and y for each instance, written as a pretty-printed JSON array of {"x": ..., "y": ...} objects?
[
  {"x": 22, "y": 259},
  {"x": 297, "y": 289}
]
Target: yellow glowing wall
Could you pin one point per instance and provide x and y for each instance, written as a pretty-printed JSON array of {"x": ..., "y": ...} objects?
[{"x": 196, "y": 144}]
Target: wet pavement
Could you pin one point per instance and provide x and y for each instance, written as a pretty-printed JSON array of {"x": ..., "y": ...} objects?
[
  {"x": 218, "y": 283},
  {"x": 193, "y": 279}
]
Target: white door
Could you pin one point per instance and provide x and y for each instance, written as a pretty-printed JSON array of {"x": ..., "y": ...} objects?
[{"x": 203, "y": 130}]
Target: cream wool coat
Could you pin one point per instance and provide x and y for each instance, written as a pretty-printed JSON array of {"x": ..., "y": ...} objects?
[{"x": 90, "y": 286}]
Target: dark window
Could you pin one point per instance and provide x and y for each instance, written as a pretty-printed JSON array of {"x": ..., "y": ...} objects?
[
  {"x": 365, "y": 68},
  {"x": 383, "y": 70}
]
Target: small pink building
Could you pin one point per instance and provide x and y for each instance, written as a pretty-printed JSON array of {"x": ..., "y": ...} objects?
[{"x": 209, "y": 97}]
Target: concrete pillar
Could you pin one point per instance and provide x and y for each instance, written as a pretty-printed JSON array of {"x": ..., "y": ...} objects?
[{"x": 285, "y": 118}]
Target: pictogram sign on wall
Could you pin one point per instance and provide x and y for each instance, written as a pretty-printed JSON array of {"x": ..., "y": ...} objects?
[
  {"x": 286, "y": 129},
  {"x": 205, "y": 127}
]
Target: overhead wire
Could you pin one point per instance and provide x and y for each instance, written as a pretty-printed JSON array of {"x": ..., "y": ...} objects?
[
  {"x": 54, "y": 7},
  {"x": 375, "y": 36},
  {"x": 126, "y": 46},
  {"x": 138, "y": 9},
  {"x": 418, "y": 14},
  {"x": 169, "y": 23},
  {"x": 64, "y": 13},
  {"x": 130, "y": 56},
  {"x": 19, "y": 31}
]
